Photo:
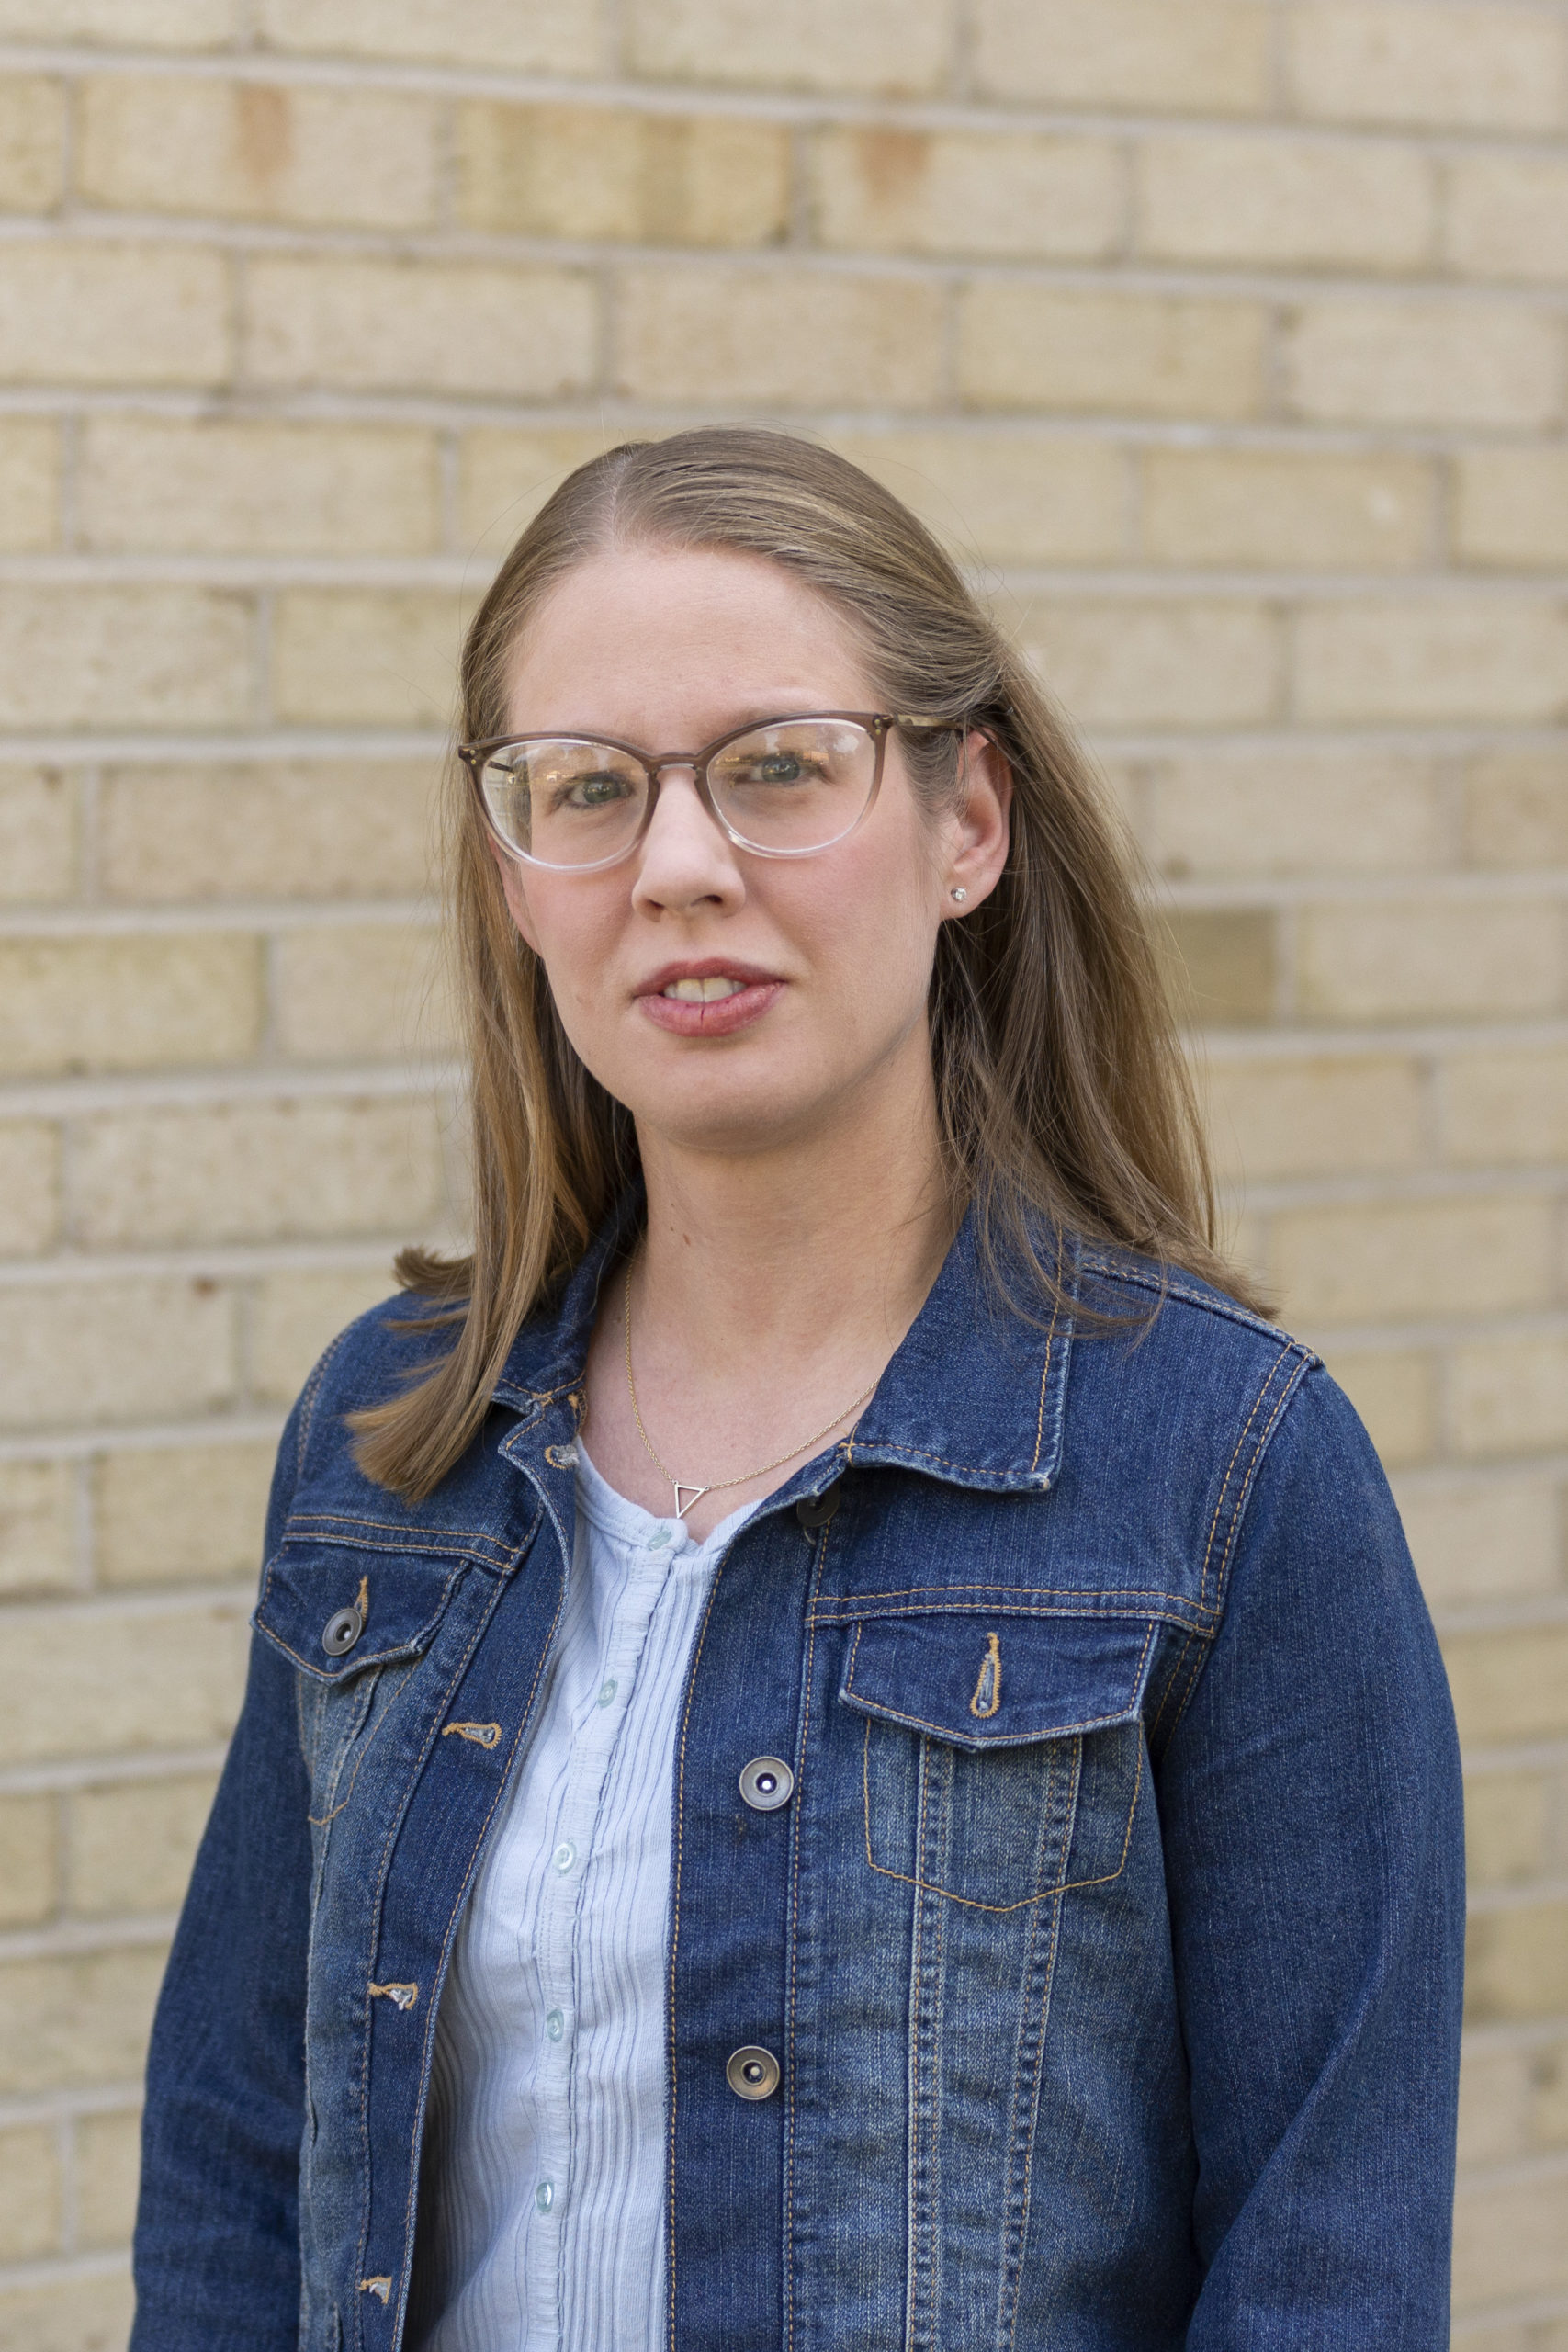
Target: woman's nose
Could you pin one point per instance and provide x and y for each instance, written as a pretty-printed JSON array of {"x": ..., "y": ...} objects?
[{"x": 685, "y": 857}]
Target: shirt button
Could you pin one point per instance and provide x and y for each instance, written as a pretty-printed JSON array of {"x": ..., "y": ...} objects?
[
  {"x": 606, "y": 1692},
  {"x": 564, "y": 1856},
  {"x": 766, "y": 1783},
  {"x": 657, "y": 1540},
  {"x": 545, "y": 2195},
  {"x": 554, "y": 2025},
  {"x": 752, "y": 2073},
  {"x": 816, "y": 1510}
]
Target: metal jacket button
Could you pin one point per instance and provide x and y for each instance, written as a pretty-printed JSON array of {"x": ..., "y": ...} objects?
[
  {"x": 341, "y": 1631},
  {"x": 766, "y": 1783},
  {"x": 752, "y": 2073},
  {"x": 816, "y": 1510}
]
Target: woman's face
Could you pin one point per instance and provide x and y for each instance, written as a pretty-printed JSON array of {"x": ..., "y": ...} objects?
[{"x": 832, "y": 953}]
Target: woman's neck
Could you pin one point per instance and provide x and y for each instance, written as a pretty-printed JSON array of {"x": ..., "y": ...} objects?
[{"x": 772, "y": 1287}]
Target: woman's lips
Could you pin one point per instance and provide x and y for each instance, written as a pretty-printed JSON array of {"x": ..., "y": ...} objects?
[{"x": 718, "y": 1016}]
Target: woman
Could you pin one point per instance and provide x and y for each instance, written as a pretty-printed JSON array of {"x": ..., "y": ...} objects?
[{"x": 843, "y": 1748}]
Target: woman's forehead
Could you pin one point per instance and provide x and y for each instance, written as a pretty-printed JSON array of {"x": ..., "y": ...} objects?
[{"x": 682, "y": 631}]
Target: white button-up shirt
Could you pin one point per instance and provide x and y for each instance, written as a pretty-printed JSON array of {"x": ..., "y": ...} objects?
[{"x": 542, "y": 2218}]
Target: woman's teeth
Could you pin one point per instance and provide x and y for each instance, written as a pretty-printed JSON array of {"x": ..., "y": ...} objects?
[{"x": 706, "y": 991}]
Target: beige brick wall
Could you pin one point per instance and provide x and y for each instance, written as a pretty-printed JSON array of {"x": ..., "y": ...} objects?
[{"x": 1227, "y": 341}]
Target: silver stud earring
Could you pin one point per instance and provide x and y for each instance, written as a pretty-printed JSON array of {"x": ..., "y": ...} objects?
[{"x": 960, "y": 895}]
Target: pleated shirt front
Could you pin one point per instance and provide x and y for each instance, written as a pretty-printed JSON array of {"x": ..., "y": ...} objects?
[{"x": 542, "y": 2220}]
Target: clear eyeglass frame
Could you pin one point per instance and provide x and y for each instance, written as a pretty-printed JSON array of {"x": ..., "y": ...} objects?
[{"x": 878, "y": 725}]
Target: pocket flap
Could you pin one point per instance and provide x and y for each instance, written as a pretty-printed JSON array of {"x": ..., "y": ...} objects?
[
  {"x": 997, "y": 1681},
  {"x": 400, "y": 1597}
]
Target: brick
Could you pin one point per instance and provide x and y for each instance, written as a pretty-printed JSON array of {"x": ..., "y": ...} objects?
[
  {"x": 72, "y": 1005},
  {"x": 446, "y": 326},
  {"x": 113, "y": 313},
  {"x": 1460, "y": 659},
  {"x": 993, "y": 192},
  {"x": 255, "y": 151},
  {"x": 1133, "y": 355},
  {"x": 297, "y": 1313},
  {"x": 1272, "y": 509},
  {"x": 350, "y": 828},
  {"x": 1509, "y": 1395},
  {"x": 1516, "y": 808},
  {"x": 1375, "y": 60},
  {"x": 1412, "y": 1257},
  {"x": 1509, "y": 1685},
  {"x": 1506, "y": 1827},
  {"x": 84, "y": 2313},
  {"x": 1317, "y": 1115},
  {"x": 37, "y": 1527},
  {"x": 32, "y": 2194},
  {"x": 623, "y": 176},
  {"x": 362, "y": 992},
  {"x": 1005, "y": 497},
  {"x": 108, "y": 2165},
  {"x": 257, "y": 488},
  {"x": 30, "y": 484},
  {"x": 1515, "y": 1965},
  {"x": 1221, "y": 965},
  {"x": 132, "y": 1845},
  {"x": 1511, "y": 508},
  {"x": 113, "y": 1351},
  {"x": 168, "y": 1678},
  {"x": 1310, "y": 203},
  {"x": 141, "y": 24},
  {"x": 291, "y": 1169},
  {"x": 852, "y": 342},
  {"x": 1510, "y": 2241},
  {"x": 38, "y": 834},
  {"x": 1511, "y": 2102},
  {"x": 383, "y": 658},
  {"x": 895, "y": 47},
  {"x": 1480, "y": 1544},
  {"x": 1188, "y": 663},
  {"x": 504, "y": 477},
  {"x": 1287, "y": 811},
  {"x": 1394, "y": 1393},
  {"x": 1422, "y": 363},
  {"x": 76, "y": 2021},
  {"x": 29, "y": 1187},
  {"x": 28, "y": 1889},
  {"x": 1507, "y": 217},
  {"x": 1501, "y": 1106},
  {"x": 131, "y": 656},
  {"x": 1414, "y": 959},
  {"x": 1208, "y": 57},
  {"x": 33, "y": 142},
  {"x": 546, "y": 37},
  {"x": 173, "y": 1514}
]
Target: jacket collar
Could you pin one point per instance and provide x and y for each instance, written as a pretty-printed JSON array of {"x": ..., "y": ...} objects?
[{"x": 975, "y": 1395}]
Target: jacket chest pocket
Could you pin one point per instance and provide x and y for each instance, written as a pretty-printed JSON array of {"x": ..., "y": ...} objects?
[
  {"x": 1002, "y": 1755},
  {"x": 355, "y": 1623}
]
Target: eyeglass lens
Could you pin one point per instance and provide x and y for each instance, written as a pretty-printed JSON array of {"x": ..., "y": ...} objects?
[{"x": 797, "y": 785}]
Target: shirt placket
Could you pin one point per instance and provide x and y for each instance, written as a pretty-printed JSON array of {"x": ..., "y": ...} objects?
[{"x": 565, "y": 1902}]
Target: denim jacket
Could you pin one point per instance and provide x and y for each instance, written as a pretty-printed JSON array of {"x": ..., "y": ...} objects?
[{"x": 1108, "y": 1945}]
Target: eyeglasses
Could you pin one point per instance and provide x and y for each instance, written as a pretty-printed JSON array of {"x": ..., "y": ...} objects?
[{"x": 780, "y": 787}]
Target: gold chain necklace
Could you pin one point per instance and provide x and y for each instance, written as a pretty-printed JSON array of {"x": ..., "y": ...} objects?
[{"x": 717, "y": 1485}]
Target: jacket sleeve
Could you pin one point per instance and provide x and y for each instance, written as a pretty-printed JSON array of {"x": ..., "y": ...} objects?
[
  {"x": 1311, "y": 1809},
  {"x": 217, "y": 2247}
]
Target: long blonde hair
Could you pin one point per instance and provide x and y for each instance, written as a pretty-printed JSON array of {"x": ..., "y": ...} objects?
[{"x": 1064, "y": 1097}]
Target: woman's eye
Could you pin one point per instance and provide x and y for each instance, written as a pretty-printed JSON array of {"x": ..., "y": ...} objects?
[
  {"x": 592, "y": 791},
  {"x": 776, "y": 767}
]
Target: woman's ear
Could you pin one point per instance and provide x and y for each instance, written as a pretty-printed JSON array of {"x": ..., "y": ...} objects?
[
  {"x": 978, "y": 830},
  {"x": 512, "y": 886}
]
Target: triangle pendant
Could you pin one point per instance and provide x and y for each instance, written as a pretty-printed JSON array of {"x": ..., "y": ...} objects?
[{"x": 681, "y": 1488}]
